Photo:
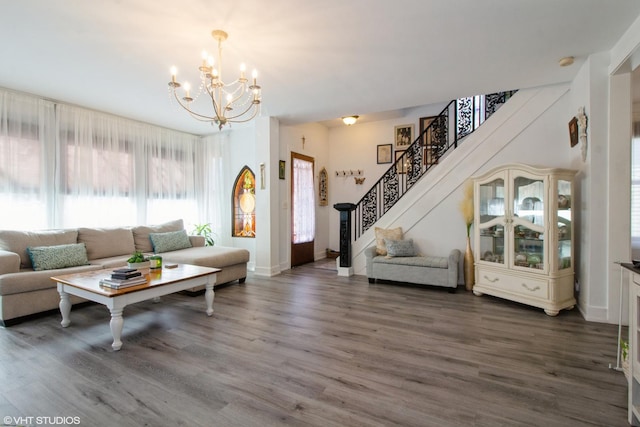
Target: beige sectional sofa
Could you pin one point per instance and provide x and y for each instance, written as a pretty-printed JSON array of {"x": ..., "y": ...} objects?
[{"x": 26, "y": 289}]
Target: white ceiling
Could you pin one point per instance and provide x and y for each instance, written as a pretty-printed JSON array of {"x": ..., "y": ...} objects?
[{"x": 317, "y": 60}]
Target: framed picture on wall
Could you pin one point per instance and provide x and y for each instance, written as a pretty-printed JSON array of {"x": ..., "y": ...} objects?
[
  {"x": 402, "y": 167},
  {"x": 281, "y": 166},
  {"x": 427, "y": 138},
  {"x": 403, "y": 136},
  {"x": 573, "y": 131},
  {"x": 384, "y": 153}
]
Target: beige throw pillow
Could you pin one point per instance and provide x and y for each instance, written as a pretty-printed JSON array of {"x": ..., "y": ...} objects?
[{"x": 386, "y": 233}]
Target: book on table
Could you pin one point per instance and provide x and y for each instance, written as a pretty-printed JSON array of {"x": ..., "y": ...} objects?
[
  {"x": 123, "y": 283},
  {"x": 125, "y": 273},
  {"x": 125, "y": 276}
]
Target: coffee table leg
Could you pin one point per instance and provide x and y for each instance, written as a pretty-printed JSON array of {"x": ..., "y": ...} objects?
[
  {"x": 117, "y": 322},
  {"x": 208, "y": 296},
  {"x": 65, "y": 308}
]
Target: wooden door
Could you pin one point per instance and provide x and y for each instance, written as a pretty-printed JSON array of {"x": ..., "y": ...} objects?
[{"x": 302, "y": 209}]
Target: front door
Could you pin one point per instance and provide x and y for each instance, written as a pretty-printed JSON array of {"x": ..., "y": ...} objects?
[{"x": 303, "y": 218}]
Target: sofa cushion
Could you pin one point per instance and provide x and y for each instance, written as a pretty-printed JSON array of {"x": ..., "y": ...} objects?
[
  {"x": 208, "y": 256},
  {"x": 59, "y": 256},
  {"x": 107, "y": 242},
  {"x": 29, "y": 280},
  {"x": 141, "y": 233},
  {"x": 170, "y": 241},
  {"x": 386, "y": 233},
  {"x": 18, "y": 241},
  {"x": 400, "y": 248}
]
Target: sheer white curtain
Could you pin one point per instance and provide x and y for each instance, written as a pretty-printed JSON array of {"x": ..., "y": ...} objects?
[
  {"x": 27, "y": 133},
  {"x": 170, "y": 176},
  {"x": 116, "y": 171},
  {"x": 213, "y": 187},
  {"x": 635, "y": 191},
  {"x": 65, "y": 166},
  {"x": 304, "y": 216}
]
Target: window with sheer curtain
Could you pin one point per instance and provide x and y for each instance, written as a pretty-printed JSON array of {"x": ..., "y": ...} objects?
[
  {"x": 304, "y": 219},
  {"x": 64, "y": 166},
  {"x": 635, "y": 190}
]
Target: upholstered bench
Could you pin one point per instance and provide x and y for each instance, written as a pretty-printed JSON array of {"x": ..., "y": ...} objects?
[
  {"x": 394, "y": 258},
  {"x": 423, "y": 270}
]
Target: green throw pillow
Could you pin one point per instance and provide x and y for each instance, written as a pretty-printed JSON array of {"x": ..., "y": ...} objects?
[
  {"x": 171, "y": 241},
  {"x": 400, "y": 248},
  {"x": 59, "y": 256}
]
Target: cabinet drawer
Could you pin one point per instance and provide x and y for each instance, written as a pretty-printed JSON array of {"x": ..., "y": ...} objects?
[{"x": 514, "y": 283}]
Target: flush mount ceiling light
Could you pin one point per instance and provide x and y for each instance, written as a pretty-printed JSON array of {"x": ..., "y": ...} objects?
[
  {"x": 350, "y": 120},
  {"x": 566, "y": 61},
  {"x": 234, "y": 102}
]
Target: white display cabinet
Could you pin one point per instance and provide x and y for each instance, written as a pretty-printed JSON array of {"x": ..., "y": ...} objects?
[{"x": 524, "y": 237}]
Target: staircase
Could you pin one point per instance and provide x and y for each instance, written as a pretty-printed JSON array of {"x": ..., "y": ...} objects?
[
  {"x": 445, "y": 132},
  {"x": 429, "y": 213}
]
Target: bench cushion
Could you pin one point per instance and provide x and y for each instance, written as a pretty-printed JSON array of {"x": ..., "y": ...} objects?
[{"x": 417, "y": 261}]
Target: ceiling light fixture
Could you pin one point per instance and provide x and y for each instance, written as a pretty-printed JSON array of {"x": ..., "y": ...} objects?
[
  {"x": 566, "y": 61},
  {"x": 350, "y": 120},
  {"x": 234, "y": 102}
]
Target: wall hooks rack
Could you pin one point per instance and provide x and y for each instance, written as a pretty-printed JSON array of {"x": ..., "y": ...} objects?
[{"x": 357, "y": 172}]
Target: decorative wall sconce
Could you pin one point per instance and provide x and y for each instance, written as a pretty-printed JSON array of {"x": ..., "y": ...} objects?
[{"x": 582, "y": 132}]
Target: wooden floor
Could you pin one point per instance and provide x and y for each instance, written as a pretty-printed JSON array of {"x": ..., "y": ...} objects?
[{"x": 310, "y": 348}]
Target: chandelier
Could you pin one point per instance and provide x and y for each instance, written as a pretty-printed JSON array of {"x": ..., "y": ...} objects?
[{"x": 234, "y": 102}]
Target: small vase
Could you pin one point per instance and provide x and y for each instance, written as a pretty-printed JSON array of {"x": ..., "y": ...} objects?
[{"x": 469, "y": 274}]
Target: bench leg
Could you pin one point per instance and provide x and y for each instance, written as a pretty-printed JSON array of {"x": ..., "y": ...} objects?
[{"x": 372, "y": 280}]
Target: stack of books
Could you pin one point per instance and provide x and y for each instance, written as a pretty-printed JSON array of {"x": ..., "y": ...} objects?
[{"x": 123, "y": 278}]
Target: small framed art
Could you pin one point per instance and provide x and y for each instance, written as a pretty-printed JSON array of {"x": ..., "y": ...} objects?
[
  {"x": 401, "y": 162},
  {"x": 573, "y": 131},
  {"x": 403, "y": 136},
  {"x": 384, "y": 153},
  {"x": 281, "y": 166}
]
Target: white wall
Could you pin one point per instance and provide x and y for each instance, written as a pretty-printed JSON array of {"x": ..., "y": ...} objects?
[
  {"x": 543, "y": 142},
  {"x": 241, "y": 148},
  {"x": 355, "y": 147},
  {"x": 316, "y": 146}
]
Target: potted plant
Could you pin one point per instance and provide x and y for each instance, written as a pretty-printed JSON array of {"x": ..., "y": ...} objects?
[
  {"x": 205, "y": 231},
  {"x": 138, "y": 260},
  {"x": 624, "y": 352}
]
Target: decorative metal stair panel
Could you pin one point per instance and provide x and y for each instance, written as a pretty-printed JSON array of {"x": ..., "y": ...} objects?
[{"x": 458, "y": 119}]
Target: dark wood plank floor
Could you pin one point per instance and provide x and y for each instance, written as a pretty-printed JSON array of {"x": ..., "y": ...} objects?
[{"x": 310, "y": 348}]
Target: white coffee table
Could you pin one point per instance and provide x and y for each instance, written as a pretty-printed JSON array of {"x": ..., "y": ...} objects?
[{"x": 159, "y": 282}]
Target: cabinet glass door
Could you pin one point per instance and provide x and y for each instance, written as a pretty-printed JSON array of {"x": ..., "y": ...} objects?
[
  {"x": 564, "y": 224},
  {"x": 528, "y": 222},
  {"x": 491, "y": 221}
]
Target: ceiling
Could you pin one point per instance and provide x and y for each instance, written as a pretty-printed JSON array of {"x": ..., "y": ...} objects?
[{"x": 317, "y": 61}]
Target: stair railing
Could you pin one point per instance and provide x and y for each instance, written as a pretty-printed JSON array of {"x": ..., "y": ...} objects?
[{"x": 445, "y": 132}]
